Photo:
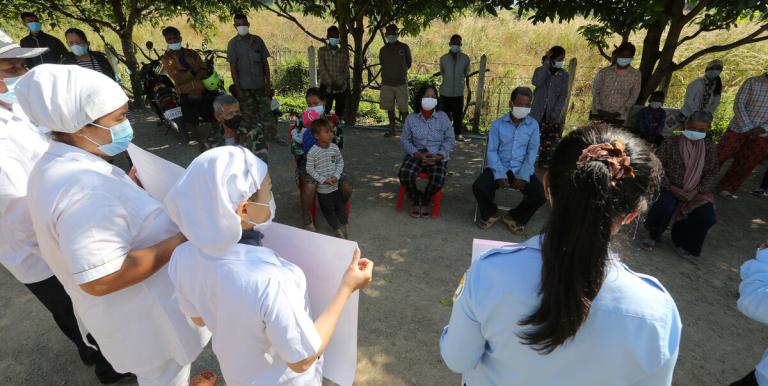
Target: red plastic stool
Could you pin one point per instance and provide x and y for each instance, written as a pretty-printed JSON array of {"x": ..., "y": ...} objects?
[
  {"x": 313, "y": 209},
  {"x": 437, "y": 198}
]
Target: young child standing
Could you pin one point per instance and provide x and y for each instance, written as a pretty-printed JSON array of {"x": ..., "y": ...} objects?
[
  {"x": 651, "y": 119},
  {"x": 325, "y": 165}
]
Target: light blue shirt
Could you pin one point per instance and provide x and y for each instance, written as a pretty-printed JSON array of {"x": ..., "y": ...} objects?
[
  {"x": 631, "y": 336},
  {"x": 753, "y": 300},
  {"x": 513, "y": 147}
]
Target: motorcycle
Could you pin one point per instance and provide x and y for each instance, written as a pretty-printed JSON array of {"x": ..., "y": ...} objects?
[{"x": 161, "y": 95}]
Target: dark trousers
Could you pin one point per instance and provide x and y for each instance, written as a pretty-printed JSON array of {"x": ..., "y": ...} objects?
[
  {"x": 764, "y": 184},
  {"x": 338, "y": 99},
  {"x": 51, "y": 293},
  {"x": 748, "y": 380},
  {"x": 333, "y": 208},
  {"x": 485, "y": 188},
  {"x": 454, "y": 107},
  {"x": 688, "y": 233},
  {"x": 411, "y": 168}
]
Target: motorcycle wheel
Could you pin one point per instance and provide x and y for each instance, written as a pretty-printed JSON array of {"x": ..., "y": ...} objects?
[{"x": 180, "y": 128}]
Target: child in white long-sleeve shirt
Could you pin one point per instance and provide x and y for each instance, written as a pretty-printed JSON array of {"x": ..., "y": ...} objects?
[{"x": 325, "y": 165}]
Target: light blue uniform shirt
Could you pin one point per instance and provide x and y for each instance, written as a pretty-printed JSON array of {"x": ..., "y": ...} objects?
[
  {"x": 753, "y": 300},
  {"x": 513, "y": 147},
  {"x": 631, "y": 336}
]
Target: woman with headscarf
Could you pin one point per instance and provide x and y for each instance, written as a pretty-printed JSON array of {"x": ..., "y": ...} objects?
[
  {"x": 686, "y": 200},
  {"x": 254, "y": 302},
  {"x": 105, "y": 239},
  {"x": 703, "y": 94}
]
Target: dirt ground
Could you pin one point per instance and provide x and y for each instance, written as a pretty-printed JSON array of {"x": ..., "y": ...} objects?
[{"x": 418, "y": 263}]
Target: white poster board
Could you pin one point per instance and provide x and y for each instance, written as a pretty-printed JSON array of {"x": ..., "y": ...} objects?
[
  {"x": 324, "y": 260},
  {"x": 156, "y": 174}
]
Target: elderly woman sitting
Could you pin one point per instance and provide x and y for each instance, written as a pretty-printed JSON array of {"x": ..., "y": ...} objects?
[
  {"x": 427, "y": 141},
  {"x": 686, "y": 200}
]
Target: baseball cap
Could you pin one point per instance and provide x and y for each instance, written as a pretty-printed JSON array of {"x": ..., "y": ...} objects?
[{"x": 11, "y": 50}]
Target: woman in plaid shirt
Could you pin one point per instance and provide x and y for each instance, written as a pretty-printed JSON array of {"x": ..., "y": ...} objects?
[{"x": 427, "y": 141}]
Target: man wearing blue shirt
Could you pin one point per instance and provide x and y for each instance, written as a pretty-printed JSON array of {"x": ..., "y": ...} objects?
[{"x": 513, "y": 143}]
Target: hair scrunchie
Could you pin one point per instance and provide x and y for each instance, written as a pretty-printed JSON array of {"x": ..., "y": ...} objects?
[{"x": 612, "y": 155}]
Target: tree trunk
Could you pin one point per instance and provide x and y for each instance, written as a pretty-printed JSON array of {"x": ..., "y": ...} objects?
[
  {"x": 126, "y": 40},
  {"x": 356, "y": 90},
  {"x": 651, "y": 54}
]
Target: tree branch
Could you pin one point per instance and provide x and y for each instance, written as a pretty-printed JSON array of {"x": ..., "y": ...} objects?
[
  {"x": 282, "y": 12},
  {"x": 603, "y": 53},
  {"x": 85, "y": 19},
  {"x": 754, "y": 37},
  {"x": 693, "y": 36}
]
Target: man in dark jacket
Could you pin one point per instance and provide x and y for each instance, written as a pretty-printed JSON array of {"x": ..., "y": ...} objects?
[{"x": 38, "y": 39}]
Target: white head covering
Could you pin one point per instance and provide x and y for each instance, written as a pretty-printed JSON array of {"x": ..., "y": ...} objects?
[
  {"x": 66, "y": 98},
  {"x": 204, "y": 201},
  {"x": 11, "y": 50}
]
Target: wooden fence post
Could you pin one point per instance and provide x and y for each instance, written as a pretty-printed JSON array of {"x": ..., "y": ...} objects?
[
  {"x": 312, "y": 60},
  {"x": 479, "y": 94},
  {"x": 571, "y": 81}
]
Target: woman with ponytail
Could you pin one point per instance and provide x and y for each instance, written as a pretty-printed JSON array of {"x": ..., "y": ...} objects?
[{"x": 561, "y": 308}]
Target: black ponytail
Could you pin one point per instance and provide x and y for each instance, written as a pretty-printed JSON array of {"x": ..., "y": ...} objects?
[{"x": 586, "y": 201}]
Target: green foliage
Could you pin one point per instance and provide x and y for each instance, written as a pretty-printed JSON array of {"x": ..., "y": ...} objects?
[
  {"x": 292, "y": 103},
  {"x": 292, "y": 77}
]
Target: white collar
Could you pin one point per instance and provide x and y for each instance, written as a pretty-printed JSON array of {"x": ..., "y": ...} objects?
[{"x": 63, "y": 150}]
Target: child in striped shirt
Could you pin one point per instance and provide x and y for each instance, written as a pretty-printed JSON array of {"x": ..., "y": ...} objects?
[{"x": 325, "y": 165}]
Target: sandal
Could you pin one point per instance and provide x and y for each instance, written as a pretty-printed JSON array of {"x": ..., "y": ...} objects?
[
  {"x": 416, "y": 211},
  {"x": 425, "y": 212},
  {"x": 310, "y": 227},
  {"x": 513, "y": 226},
  {"x": 485, "y": 224},
  {"x": 206, "y": 378}
]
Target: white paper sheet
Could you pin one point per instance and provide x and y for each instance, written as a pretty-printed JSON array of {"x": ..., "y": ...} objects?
[
  {"x": 156, "y": 174},
  {"x": 324, "y": 260},
  {"x": 480, "y": 246}
]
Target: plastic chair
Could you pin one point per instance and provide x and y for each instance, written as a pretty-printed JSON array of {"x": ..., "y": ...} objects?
[{"x": 437, "y": 198}]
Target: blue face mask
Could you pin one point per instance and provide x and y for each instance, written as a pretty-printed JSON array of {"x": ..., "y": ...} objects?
[
  {"x": 174, "y": 46},
  {"x": 333, "y": 41},
  {"x": 391, "y": 38},
  {"x": 320, "y": 109},
  {"x": 455, "y": 48},
  {"x": 79, "y": 50},
  {"x": 558, "y": 64},
  {"x": 712, "y": 74},
  {"x": 34, "y": 27},
  {"x": 623, "y": 62},
  {"x": 122, "y": 134},
  {"x": 9, "y": 96}
]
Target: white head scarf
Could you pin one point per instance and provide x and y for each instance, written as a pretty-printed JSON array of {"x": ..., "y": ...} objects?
[
  {"x": 66, "y": 98},
  {"x": 204, "y": 201}
]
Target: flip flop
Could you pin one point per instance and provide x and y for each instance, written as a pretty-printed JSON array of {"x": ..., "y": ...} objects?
[{"x": 416, "y": 211}]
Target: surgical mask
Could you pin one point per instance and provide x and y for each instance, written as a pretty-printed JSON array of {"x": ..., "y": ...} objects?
[
  {"x": 623, "y": 62},
  {"x": 234, "y": 122},
  {"x": 272, "y": 209},
  {"x": 320, "y": 109},
  {"x": 122, "y": 135},
  {"x": 230, "y": 141},
  {"x": 558, "y": 64},
  {"x": 712, "y": 74},
  {"x": 34, "y": 26},
  {"x": 391, "y": 38},
  {"x": 694, "y": 135},
  {"x": 520, "y": 112},
  {"x": 655, "y": 105},
  {"x": 333, "y": 41},
  {"x": 174, "y": 46},
  {"x": 9, "y": 96},
  {"x": 242, "y": 30},
  {"x": 428, "y": 104},
  {"x": 455, "y": 48},
  {"x": 79, "y": 50}
]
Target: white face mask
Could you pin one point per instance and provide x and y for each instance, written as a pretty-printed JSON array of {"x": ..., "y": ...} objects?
[
  {"x": 694, "y": 135},
  {"x": 272, "y": 209},
  {"x": 428, "y": 104},
  {"x": 655, "y": 105},
  {"x": 242, "y": 29},
  {"x": 520, "y": 112}
]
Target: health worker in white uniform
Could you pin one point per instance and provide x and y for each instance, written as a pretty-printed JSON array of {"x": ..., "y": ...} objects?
[
  {"x": 255, "y": 303},
  {"x": 21, "y": 145},
  {"x": 753, "y": 302},
  {"x": 561, "y": 308},
  {"x": 106, "y": 239}
]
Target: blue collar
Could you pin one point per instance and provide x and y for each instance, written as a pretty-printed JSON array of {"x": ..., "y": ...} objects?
[
  {"x": 252, "y": 238},
  {"x": 508, "y": 118}
]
